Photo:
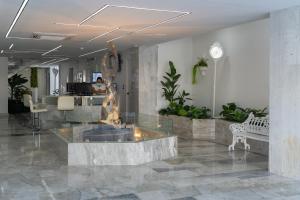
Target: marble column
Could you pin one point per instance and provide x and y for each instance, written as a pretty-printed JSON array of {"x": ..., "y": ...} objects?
[{"x": 284, "y": 148}]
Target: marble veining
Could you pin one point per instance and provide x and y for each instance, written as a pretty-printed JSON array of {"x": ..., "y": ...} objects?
[{"x": 31, "y": 169}]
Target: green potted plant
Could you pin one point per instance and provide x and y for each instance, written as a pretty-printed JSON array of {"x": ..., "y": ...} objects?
[
  {"x": 202, "y": 66},
  {"x": 16, "y": 89},
  {"x": 34, "y": 83}
]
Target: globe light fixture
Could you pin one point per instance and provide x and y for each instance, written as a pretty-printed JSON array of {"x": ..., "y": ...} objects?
[{"x": 216, "y": 52}]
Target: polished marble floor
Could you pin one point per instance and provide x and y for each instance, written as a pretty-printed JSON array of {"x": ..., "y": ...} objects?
[{"x": 31, "y": 169}]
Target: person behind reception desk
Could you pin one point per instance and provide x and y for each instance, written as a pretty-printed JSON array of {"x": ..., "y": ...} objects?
[{"x": 99, "y": 87}]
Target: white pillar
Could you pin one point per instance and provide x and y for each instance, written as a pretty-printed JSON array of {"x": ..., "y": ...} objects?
[
  {"x": 3, "y": 85},
  {"x": 284, "y": 149}
]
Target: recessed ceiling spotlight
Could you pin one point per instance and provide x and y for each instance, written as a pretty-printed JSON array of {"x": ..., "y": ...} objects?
[
  {"x": 2, "y": 51},
  {"x": 104, "y": 34},
  {"x": 64, "y": 59},
  {"x": 52, "y": 50},
  {"x": 17, "y": 17},
  {"x": 92, "y": 52},
  {"x": 11, "y": 46}
]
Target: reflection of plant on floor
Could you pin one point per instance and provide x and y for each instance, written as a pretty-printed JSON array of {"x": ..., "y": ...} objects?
[
  {"x": 177, "y": 104},
  {"x": 232, "y": 112},
  {"x": 201, "y": 64},
  {"x": 16, "y": 86}
]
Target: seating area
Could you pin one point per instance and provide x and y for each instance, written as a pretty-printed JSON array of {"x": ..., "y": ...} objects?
[
  {"x": 254, "y": 128},
  {"x": 149, "y": 100}
]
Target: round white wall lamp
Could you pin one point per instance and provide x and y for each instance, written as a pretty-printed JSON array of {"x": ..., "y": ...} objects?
[{"x": 216, "y": 52}]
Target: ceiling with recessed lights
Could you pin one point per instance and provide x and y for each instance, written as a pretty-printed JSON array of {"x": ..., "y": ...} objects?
[{"x": 56, "y": 30}]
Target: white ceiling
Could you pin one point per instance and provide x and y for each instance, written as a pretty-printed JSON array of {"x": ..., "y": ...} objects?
[{"x": 41, "y": 16}]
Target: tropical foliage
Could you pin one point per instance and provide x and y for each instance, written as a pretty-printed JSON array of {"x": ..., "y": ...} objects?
[
  {"x": 16, "y": 86},
  {"x": 177, "y": 104},
  {"x": 169, "y": 84},
  {"x": 202, "y": 62},
  {"x": 34, "y": 77},
  {"x": 232, "y": 112}
]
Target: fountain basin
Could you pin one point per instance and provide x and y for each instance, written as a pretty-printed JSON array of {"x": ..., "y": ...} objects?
[{"x": 97, "y": 145}]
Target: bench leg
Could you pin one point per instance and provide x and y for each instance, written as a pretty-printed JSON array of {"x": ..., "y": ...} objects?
[
  {"x": 234, "y": 141},
  {"x": 247, "y": 146}
]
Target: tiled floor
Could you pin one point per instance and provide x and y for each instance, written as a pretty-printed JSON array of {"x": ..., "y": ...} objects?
[{"x": 203, "y": 170}]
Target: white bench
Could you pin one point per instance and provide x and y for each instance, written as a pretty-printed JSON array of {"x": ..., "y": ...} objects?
[{"x": 256, "y": 128}]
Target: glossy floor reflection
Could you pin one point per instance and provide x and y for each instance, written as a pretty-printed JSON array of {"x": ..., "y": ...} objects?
[{"x": 31, "y": 169}]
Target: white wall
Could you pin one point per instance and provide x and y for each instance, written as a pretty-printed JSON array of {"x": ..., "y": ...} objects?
[
  {"x": 180, "y": 52},
  {"x": 3, "y": 85},
  {"x": 242, "y": 75}
]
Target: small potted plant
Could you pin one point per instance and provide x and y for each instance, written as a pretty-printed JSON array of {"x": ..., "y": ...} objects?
[{"x": 202, "y": 66}]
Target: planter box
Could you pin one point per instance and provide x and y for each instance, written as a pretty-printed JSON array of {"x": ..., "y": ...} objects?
[
  {"x": 185, "y": 127},
  {"x": 224, "y": 136},
  {"x": 216, "y": 130}
]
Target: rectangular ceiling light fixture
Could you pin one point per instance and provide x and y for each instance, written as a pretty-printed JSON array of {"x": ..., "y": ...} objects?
[
  {"x": 104, "y": 34},
  {"x": 11, "y": 46},
  {"x": 180, "y": 14},
  {"x": 2, "y": 51},
  {"x": 92, "y": 52},
  {"x": 52, "y": 50},
  {"x": 58, "y": 61},
  {"x": 16, "y": 17}
]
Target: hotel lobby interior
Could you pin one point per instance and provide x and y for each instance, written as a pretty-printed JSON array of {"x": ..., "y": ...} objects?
[{"x": 149, "y": 100}]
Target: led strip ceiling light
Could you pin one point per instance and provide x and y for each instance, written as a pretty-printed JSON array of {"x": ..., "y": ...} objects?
[
  {"x": 11, "y": 46},
  {"x": 92, "y": 52},
  {"x": 49, "y": 61},
  {"x": 84, "y": 25},
  {"x": 104, "y": 34},
  {"x": 58, "y": 61},
  {"x": 180, "y": 14},
  {"x": 52, "y": 50},
  {"x": 17, "y": 17}
]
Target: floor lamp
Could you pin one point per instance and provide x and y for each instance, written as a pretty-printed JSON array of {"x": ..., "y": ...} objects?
[{"x": 216, "y": 52}]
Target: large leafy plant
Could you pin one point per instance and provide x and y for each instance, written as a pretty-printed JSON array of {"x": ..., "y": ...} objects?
[
  {"x": 16, "y": 86},
  {"x": 202, "y": 62},
  {"x": 232, "y": 112},
  {"x": 177, "y": 103},
  {"x": 169, "y": 83}
]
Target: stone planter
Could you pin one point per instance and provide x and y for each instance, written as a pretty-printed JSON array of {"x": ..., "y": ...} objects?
[
  {"x": 216, "y": 130},
  {"x": 224, "y": 136},
  {"x": 185, "y": 127}
]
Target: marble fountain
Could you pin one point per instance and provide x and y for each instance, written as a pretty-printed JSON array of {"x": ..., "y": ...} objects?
[
  {"x": 145, "y": 140},
  {"x": 113, "y": 141}
]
